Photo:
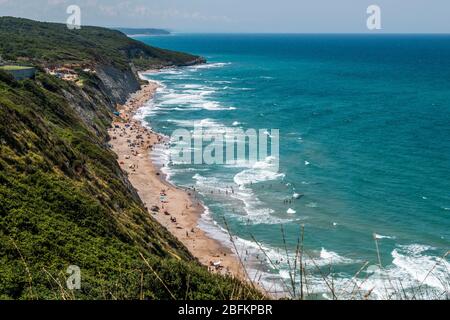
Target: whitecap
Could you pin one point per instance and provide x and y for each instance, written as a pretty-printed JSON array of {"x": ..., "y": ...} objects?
[
  {"x": 333, "y": 258},
  {"x": 212, "y": 105},
  {"x": 220, "y": 81},
  {"x": 379, "y": 237},
  {"x": 192, "y": 86},
  {"x": 209, "y": 66},
  {"x": 261, "y": 171},
  {"x": 411, "y": 267}
]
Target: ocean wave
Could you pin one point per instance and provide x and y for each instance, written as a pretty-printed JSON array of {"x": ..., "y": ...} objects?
[
  {"x": 208, "y": 66},
  {"x": 220, "y": 81},
  {"x": 190, "y": 99},
  {"x": 244, "y": 205},
  {"x": 144, "y": 112},
  {"x": 214, "y": 106},
  {"x": 194, "y": 86},
  {"x": 181, "y": 98},
  {"x": 260, "y": 172},
  {"x": 332, "y": 258},
  {"x": 379, "y": 236},
  {"x": 201, "y": 92},
  {"x": 412, "y": 267},
  {"x": 204, "y": 123},
  {"x": 161, "y": 157},
  {"x": 277, "y": 257},
  {"x": 410, "y": 270}
]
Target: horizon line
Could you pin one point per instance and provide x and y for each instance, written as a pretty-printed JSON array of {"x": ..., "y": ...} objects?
[{"x": 172, "y": 31}]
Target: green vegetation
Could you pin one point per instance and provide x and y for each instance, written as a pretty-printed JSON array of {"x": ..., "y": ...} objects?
[
  {"x": 51, "y": 43},
  {"x": 13, "y": 68},
  {"x": 64, "y": 199}
]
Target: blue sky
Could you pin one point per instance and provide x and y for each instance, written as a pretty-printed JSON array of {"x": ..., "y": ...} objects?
[{"x": 299, "y": 16}]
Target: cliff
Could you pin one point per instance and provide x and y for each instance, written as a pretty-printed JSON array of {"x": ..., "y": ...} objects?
[{"x": 63, "y": 198}]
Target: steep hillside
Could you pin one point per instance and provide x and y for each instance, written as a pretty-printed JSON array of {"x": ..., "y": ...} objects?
[
  {"x": 63, "y": 198},
  {"x": 49, "y": 43}
]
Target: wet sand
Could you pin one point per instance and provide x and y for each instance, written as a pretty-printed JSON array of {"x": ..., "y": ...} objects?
[{"x": 174, "y": 208}]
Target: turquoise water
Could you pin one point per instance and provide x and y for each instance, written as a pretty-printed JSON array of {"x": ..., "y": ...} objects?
[{"x": 364, "y": 135}]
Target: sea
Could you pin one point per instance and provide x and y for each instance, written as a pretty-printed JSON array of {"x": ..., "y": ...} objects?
[{"x": 359, "y": 206}]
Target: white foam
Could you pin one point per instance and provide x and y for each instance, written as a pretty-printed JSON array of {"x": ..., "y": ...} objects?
[
  {"x": 212, "y": 105},
  {"x": 181, "y": 98},
  {"x": 412, "y": 267},
  {"x": 206, "y": 123},
  {"x": 208, "y": 66},
  {"x": 191, "y": 100},
  {"x": 333, "y": 258},
  {"x": 193, "y": 86},
  {"x": 379, "y": 236},
  {"x": 260, "y": 172},
  {"x": 255, "y": 175},
  {"x": 220, "y": 81},
  {"x": 145, "y": 111},
  {"x": 291, "y": 211},
  {"x": 161, "y": 157}
]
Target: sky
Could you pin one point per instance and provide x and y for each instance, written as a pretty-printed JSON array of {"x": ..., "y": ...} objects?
[{"x": 247, "y": 16}]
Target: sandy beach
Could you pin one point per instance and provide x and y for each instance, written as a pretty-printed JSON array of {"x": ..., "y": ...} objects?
[{"x": 174, "y": 208}]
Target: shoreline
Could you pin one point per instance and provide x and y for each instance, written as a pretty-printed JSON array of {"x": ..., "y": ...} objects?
[{"x": 174, "y": 208}]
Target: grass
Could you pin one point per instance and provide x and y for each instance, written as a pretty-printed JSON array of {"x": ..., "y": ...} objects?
[{"x": 14, "y": 68}]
